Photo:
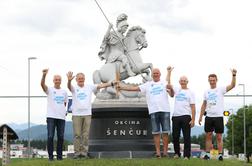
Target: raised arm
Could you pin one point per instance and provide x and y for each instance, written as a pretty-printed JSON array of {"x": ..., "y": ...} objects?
[
  {"x": 233, "y": 82},
  {"x": 70, "y": 77},
  {"x": 169, "y": 87},
  {"x": 203, "y": 110},
  {"x": 168, "y": 76},
  {"x": 42, "y": 83}
]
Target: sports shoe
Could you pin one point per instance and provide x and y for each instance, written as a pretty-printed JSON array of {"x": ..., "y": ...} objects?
[
  {"x": 176, "y": 156},
  {"x": 158, "y": 156},
  {"x": 206, "y": 157},
  {"x": 220, "y": 158},
  {"x": 164, "y": 155},
  {"x": 186, "y": 158}
]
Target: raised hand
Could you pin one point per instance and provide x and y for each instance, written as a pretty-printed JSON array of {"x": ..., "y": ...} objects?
[
  {"x": 45, "y": 71},
  {"x": 70, "y": 76},
  {"x": 169, "y": 69},
  {"x": 234, "y": 71},
  {"x": 168, "y": 76}
]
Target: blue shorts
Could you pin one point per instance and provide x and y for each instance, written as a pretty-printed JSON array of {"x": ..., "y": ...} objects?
[{"x": 160, "y": 120}]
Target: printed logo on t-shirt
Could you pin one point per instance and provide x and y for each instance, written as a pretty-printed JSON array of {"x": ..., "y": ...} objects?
[
  {"x": 81, "y": 96},
  {"x": 59, "y": 99},
  {"x": 156, "y": 90},
  {"x": 181, "y": 97},
  {"x": 212, "y": 98}
]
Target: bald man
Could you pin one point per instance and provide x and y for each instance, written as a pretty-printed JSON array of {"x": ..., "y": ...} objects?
[
  {"x": 159, "y": 109},
  {"x": 183, "y": 117},
  {"x": 56, "y": 112}
]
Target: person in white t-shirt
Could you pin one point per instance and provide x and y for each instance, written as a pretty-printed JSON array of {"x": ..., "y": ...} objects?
[
  {"x": 183, "y": 117},
  {"x": 56, "y": 111},
  {"x": 158, "y": 106},
  {"x": 213, "y": 107},
  {"x": 82, "y": 111}
]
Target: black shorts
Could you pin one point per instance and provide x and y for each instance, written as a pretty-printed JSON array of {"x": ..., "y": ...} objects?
[{"x": 214, "y": 124}]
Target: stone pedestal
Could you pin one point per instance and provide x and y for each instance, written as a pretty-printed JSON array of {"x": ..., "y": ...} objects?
[{"x": 120, "y": 128}]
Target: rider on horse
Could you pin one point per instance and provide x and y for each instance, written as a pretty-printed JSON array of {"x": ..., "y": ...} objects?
[{"x": 113, "y": 48}]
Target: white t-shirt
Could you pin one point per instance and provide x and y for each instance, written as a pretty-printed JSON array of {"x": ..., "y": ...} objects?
[
  {"x": 82, "y": 97},
  {"x": 156, "y": 96},
  {"x": 215, "y": 101},
  {"x": 56, "y": 99},
  {"x": 183, "y": 99}
]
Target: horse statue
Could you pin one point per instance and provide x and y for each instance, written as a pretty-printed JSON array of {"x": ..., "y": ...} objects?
[{"x": 134, "y": 41}]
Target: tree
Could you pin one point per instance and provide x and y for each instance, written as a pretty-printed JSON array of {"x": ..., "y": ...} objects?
[
  {"x": 200, "y": 139},
  {"x": 238, "y": 131}
]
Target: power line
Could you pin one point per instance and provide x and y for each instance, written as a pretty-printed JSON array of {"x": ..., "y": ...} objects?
[{"x": 25, "y": 96}]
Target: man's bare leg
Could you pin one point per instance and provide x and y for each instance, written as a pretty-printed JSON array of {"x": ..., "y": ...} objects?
[{"x": 157, "y": 143}]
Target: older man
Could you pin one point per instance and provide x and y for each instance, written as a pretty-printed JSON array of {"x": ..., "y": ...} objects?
[
  {"x": 158, "y": 106},
  {"x": 81, "y": 115},
  {"x": 183, "y": 116},
  {"x": 56, "y": 112}
]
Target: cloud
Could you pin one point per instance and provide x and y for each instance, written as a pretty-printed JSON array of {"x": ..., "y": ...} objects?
[
  {"x": 167, "y": 15},
  {"x": 42, "y": 18}
]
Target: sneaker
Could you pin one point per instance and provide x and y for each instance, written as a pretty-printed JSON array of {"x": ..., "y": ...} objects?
[
  {"x": 164, "y": 155},
  {"x": 186, "y": 158},
  {"x": 50, "y": 159},
  {"x": 157, "y": 155},
  {"x": 206, "y": 157},
  {"x": 176, "y": 156},
  {"x": 60, "y": 158},
  {"x": 220, "y": 158}
]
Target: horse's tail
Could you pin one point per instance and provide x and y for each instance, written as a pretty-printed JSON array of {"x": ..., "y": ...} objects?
[{"x": 96, "y": 77}]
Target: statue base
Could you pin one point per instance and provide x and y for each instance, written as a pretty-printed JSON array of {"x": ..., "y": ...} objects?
[{"x": 120, "y": 129}]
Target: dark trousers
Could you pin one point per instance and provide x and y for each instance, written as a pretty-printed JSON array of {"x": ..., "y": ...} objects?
[
  {"x": 59, "y": 125},
  {"x": 182, "y": 123}
]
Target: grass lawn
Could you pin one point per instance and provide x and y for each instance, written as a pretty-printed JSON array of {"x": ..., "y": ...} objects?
[{"x": 126, "y": 162}]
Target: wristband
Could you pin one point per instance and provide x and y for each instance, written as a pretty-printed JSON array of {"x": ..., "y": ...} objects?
[{"x": 112, "y": 84}]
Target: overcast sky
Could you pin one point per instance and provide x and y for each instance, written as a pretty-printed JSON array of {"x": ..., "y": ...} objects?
[{"x": 197, "y": 37}]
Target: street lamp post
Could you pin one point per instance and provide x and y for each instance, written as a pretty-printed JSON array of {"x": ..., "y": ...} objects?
[
  {"x": 29, "y": 131},
  {"x": 244, "y": 119},
  {"x": 232, "y": 110}
]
